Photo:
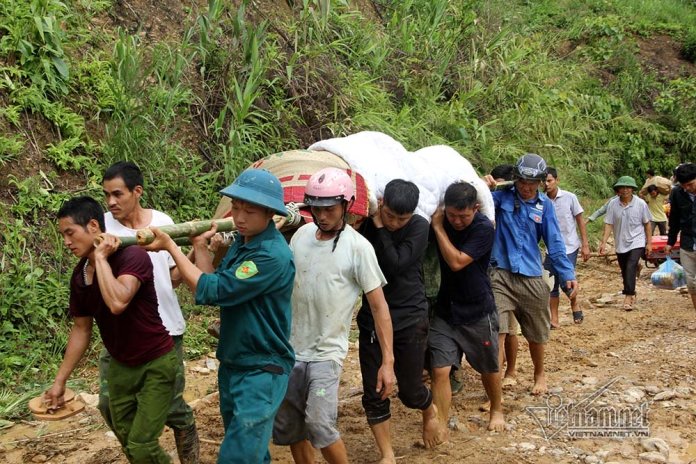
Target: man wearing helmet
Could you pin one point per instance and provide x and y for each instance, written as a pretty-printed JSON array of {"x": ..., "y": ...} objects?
[
  {"x": 334, "y": 264},
  {"x": 252, "y": 285},
  {"x": 628, "y": 217},
  {"x": 523, "y": 218}
]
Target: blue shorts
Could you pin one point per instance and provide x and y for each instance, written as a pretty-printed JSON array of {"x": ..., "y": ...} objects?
[{"x": 310, "y": 408}]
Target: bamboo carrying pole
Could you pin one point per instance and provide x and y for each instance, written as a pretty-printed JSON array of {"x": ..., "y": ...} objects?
[
  {"x": 182, "y": 232},
  {"x": 179, "y": 232},
  {"x": 185, "y": 229}
]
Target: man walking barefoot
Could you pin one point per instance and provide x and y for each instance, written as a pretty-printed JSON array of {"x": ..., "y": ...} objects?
[
  {"x": 466, "y": 319},
  {"x": 399, "y": 238},
  {"x": 524, "y": 217}
]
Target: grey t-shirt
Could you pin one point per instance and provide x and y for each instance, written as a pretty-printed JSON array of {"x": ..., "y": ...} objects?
[{"x": 629, "y": 223}]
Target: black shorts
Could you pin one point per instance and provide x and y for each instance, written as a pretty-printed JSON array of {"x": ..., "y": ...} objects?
[{"x": 477, "y": 341}]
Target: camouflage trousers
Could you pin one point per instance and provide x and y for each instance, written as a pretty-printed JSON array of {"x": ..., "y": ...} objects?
[{"x": 180, "y": 415}]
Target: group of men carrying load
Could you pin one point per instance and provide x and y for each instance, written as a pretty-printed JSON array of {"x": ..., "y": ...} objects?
[{"x": 286, "y": 309}]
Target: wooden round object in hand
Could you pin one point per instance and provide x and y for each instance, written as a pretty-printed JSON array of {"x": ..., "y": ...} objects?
[{"x": 71, "y": 407}]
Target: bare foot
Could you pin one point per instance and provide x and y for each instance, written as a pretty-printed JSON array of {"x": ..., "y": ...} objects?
[
  {"x": 555, "y": 324},
  {"x": 433, "y": 433},
  {"x": 539, "y": 387},
  {"x": 508, "y": 382},
  {"x": 496, "y": 422},
  {"x": 443, "y": 435}
]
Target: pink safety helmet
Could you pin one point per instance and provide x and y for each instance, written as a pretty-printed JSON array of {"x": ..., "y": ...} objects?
[{"x": 328, "y": 187}]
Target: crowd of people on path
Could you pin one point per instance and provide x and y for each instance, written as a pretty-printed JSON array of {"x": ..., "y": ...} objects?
[{"x": 286, "y": 308}]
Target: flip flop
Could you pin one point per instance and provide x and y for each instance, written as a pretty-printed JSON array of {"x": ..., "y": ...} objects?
[
  {"x": 578, "y": 317},
  {"x": 628, "y": 307}
]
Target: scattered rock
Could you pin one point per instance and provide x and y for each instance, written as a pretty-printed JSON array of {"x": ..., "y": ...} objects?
[
  {"x": 652, "y": 456},
  {"x": 627, "y": 450},
  {"x": 589, "y": 380},
  {"x": 39, "y": 458},
  {"x": 604, "y": 299},
  {"x": 591, "y": 459},
  {"x": 211, "y": 364},
  {"x": 665, "y": 395},
  {"x": 453, "y": 423},
  {"x": 651, "y": 389},
  {"x": 611, "y": 354},
  {"x": 633, "y": 395},
  {"x": 555, "y": 390},
  {"x": 91, "y": 401},
  {"x": 110, "y": 435},
  {"x": 206, "y": 400},
  {"x": 655, "y": 444},
  {"x": 526, "y": 446},
  {"x": 201, "y": 370}
]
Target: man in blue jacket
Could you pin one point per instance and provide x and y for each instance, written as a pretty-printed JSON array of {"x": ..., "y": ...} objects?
[{"x": 524, "y": 217}]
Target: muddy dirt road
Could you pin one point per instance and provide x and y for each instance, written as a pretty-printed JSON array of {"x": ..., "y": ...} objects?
[{"x": 645, "y": 358}]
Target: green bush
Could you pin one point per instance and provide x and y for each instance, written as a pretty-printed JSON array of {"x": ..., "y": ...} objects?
[{"x": 688, "y": 50}]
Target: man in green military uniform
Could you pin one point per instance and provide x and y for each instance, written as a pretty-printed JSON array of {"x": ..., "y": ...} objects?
[{"x": 252, "y": 285}]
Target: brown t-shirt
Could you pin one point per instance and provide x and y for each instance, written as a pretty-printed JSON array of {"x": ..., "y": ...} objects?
[{"x": 137, "y": 335}]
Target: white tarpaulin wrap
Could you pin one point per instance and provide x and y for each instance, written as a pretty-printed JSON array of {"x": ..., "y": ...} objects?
[{"x": 379, "y": 159}]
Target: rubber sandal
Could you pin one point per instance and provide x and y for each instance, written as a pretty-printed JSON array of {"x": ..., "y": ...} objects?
[
  {"x": 578, "y": 317},
  {"x": 628, "y": 307}
]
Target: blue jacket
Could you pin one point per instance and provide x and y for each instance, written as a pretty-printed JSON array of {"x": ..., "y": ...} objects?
[{"x": 520, "y": 225}]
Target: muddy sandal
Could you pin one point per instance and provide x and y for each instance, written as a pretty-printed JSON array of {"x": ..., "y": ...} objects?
[{"x": 578, "y": 317}]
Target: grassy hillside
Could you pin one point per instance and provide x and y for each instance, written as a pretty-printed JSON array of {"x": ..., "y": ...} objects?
[{"x": 193, "y": 93}]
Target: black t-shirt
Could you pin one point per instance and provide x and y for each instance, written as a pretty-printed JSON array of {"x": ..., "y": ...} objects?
[
  {"x": 400, "y": 257},
  {"x": 465, "y": 296}
]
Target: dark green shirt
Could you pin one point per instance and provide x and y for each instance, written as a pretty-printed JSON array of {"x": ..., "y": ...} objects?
[{"x": 252, "y": 286}]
